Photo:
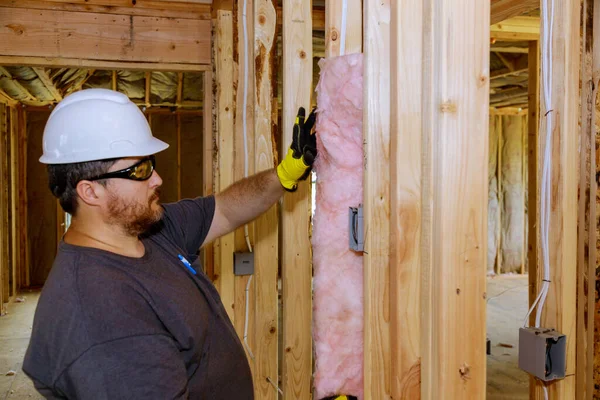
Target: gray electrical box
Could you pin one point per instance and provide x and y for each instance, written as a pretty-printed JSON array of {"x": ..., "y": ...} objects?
[
  {"x": 243, "y": 263},
  {"x": 542, "y": 353},
  {"x": 355, "y": 228}
]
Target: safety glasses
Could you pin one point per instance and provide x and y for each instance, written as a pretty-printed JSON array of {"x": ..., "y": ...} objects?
[{"x": 140, "y": 171}]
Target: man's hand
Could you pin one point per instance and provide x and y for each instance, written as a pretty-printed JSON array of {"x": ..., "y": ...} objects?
[{"x": 297, "y": 164}]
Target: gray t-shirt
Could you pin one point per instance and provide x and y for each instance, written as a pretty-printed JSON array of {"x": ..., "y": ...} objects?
[{"x": 114, "y": 327}]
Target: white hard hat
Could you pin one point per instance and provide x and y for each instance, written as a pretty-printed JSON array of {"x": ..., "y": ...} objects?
[{"x": 96, "y": 124}]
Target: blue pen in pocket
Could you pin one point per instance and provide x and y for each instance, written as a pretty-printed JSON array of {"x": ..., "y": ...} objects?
[{"x": 187, "y": 264}]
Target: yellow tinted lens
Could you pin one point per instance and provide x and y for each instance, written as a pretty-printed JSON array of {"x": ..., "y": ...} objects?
[{"x": 143, "y": 170}]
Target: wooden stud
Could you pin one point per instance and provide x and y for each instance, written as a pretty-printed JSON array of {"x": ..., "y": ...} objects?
[
  {"x": 499, "y": 128},
  {"x": 57, "y": 34},
  {"x": 4, "y": 270},
  {"x": 586, "y": 234},
  {"x": 14, "y": 188},
  {"x": 334, "y": 23},
  {"x": 318, "y": 18},
  {"x": 148, "y": 82},
  {"x": 243, "y": 54},
  {"x": 405, "y": 197},
  {"x": 524, "y": 131},
  {"x": 43, "y": 75},
  {"x": 295, "y": 218},
  {"x": 455, "y": 192},
  {"x": 505, "y": 9},
  {"x": 376, "y": 212},
  {"x": 224, "y": 278},
  {"x": 179, "y": 157},
  {"x": 208, "y": 158},
  {"x": 6, "y": 99},
  {"x": 560, "y": 308},
  {"x": 266, "y": 227},
  {"x": 179, "y": 89},
  {"x": 146, "y": 8},
  {"x": 114, "y": 80}
]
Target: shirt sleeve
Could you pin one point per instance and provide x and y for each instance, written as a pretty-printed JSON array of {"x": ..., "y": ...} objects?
[
  {"x": 188, "y": 221},
  {"x": 137, "y": 367}
]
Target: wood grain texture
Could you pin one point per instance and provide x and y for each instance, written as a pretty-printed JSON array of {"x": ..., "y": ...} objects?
[
  {"x": 4, "y": 267},
  {"x": 405, "y": 198},
  {"x": 49, "y": 33},
  {"x": 295, "y": 218},
  {"x": 533, "y": 193},
  {"x": 376, "y": 132},
  {"x": 41, "y": 207},
  {"x": 455, "y": 179},
  {"x": 14, "y": 191},
  {"x": 586, "y": 228},
  {"x": 224, "y": 278},
  {"x": 517, "y": 28},
  {"x": 560, "y": 307},
  {"x": 333, "y": 27},
  {"x": 208, "y": 159},
  {"x": 23, "y": 199},
  {"x": 505, "y": 9},
  {"x": 266, "y": 227},
  {"x": 149, "y": 8}
]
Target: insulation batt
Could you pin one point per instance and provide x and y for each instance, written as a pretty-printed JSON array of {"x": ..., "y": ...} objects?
[{"x": 338, "y": 271}]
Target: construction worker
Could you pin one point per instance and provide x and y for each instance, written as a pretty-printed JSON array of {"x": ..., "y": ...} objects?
[{"x": 126, "y": 311}]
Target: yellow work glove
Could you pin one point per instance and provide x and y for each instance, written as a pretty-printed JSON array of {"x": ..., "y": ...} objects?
[{"x": 298, "y": 161}]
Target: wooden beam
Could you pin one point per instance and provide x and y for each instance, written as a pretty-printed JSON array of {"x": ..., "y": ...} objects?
[
  {"x": 517, "y": 28},
  {"x": 4, "y": 269},
  {"x": 456, "y": 134},
  {"x": 5, "y": 98},
  {"x": 26, "y": 93},
  {"x": 14, "y": 191},
  {"x": 90, "y": 63},
  {"x": 82, "y": 35},
  {"x": 506, "y": 72},
  {"x": 43, "y": 75},
  {"x": 295, "y": 218},
  {"x": 498, "y": 126},
  {"x": 148, "y": 83},
  {"x": 179, "y": 89},
  {"x": 114, "y": 80},
  {"x": 586, "y": 221},
  {"x": 266, "y": 227},
  {"x": 209, "y": 157},
  {"x": 560, "y": 311},
  {"x": 376, "y": 132},
  {"x": 405, "y": 197},
  {"x": 145, "y": 8},
  {"x": 224, "y": 278},
  {"x": 334, "y": 23},
  {"x": 23, "y": 200},
  {"x": 509, "y": 49},
  {"x": 505, "y": 9}
]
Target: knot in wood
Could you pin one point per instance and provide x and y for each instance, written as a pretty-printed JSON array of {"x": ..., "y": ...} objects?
[
  {"x": 334, "y": 35},
  {"x": 262, "y": 19}
]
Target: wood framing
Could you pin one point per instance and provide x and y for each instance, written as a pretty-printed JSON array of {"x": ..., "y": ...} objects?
[
  {"x": 22, "y": 204},
  {"x": 376, "y": 133},
  {"x": 208, "y": 161},
  {"x": 95, "y": 36},
  {"x": 455, "y": 197},
  {"x": 4, "y": 268},
  {"x": 224, "y": 279},
  {"x": 405, "y": 198},
  {"x": 335, "y": 24},
  {"x": 560, "y": 307},
  {"x": 14, "y": 191},
  {"x": 516, "y": 28},
  {"x": 295, "y": 217},
  {"x": 586, "y": 221},
  {"x": 505, "y": 9},
  {"x": 43, "y": 75},
  {"x": 147, "y": 8},
  {"x": 266, "y": 227}
]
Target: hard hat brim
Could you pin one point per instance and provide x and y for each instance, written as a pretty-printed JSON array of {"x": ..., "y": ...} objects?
[{"x": 119, "y": 150}]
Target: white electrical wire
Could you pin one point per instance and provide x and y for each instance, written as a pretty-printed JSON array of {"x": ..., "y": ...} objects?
[
  {"x": 344, "y": 18},
  {"x": 246, "y": 321}
]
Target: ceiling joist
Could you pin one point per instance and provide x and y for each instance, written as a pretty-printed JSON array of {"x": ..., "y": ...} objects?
[
  {"x": 504, "y": 9},
  {"x": 45, "y": 78}
]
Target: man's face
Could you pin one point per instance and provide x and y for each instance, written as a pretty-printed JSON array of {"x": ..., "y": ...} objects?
[{"x": 133, "y": 205}]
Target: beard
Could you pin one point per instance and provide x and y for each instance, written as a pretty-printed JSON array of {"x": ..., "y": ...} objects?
[{"x": 133, "y": 217}]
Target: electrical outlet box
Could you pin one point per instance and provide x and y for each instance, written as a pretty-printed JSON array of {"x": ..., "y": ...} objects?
[
  {"x": 243, "y": 263},
  {"x": 542, "y": 353}
]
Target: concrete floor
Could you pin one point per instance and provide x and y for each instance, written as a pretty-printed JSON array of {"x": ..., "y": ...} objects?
[
  {"x": 506, "y": 311},
  {"x": 507, "y": 307},
  {"x": 15, "y": 331}
]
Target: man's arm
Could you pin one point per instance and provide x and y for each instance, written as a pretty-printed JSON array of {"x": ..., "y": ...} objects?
[{"x": 243, "y": 201}]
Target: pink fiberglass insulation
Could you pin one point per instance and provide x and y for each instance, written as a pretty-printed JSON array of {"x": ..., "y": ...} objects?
[{"x": 338, "y": 271}]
